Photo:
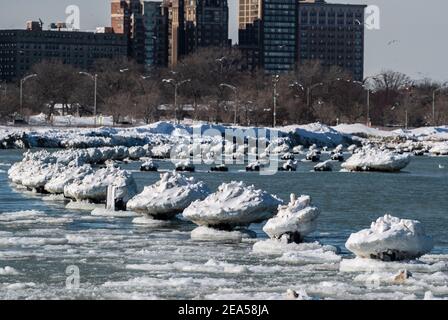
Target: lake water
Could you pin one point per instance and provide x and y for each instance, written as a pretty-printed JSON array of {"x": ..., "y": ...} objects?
[{"x": 117, "y": 259}]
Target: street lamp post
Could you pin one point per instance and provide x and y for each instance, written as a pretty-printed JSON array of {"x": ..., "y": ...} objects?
[
  {"x": 235, "y": 91},
  {"x": 221, "y": 63},
  {"x": 94, "y": 77},
  {"x": 275, "y": 80},
  {"x": 363, "y": 85},
  {"x": 409, "y": 94},
  {"x": 434, "y": 102},
  {"x": 176, "y": 85},
  {"x": 22, "y": 81}
]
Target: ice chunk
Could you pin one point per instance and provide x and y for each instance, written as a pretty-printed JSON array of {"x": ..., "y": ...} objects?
[
  {"x": 71, "y": 173},
  {"x": 8, "y": 271},
  {"x": 295, "y": 220},
  {"x": 234, "y": 204},
  {"x": 211, "y": 234},
  {"x": 149, "y": 166},
  {"x": 391, "y": 239},
  {"x": 93, "y": 187},
  {"x": 169, "y": 196},
  {"x": 324, "y": 166},
  {"x": 440, "y": 149},
  {"x": 369, "y": 265},
  {"x": 372, "y": 159}
]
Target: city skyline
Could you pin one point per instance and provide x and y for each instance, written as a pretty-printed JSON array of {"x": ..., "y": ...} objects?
[{"x": 382, "y": 51}]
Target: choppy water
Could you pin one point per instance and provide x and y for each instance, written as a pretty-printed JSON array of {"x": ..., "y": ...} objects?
[{"x": 118, "y": 259}]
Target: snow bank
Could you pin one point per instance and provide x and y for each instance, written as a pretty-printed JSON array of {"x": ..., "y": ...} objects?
[
  {"x": 317, "y": 133},
  {"x": 169, "y": 196},
  {"x": 391, "y": 239},
  {"x": 372, "y": 159},
  {"x": 362, "y": 130},
  {"x": 234, "y": 204},
  {"x": 295, "y": 220},
  {"x": 93, "y": 187}
]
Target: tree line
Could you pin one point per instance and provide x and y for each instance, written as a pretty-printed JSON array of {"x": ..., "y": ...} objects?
[{"x": 213, "y": 85}]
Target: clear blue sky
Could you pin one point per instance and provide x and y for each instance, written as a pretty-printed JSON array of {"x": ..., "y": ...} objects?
[{"x": 420, "y": 26}]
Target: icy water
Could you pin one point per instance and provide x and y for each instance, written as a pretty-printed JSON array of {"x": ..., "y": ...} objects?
[{"x": 120, "y": 260}]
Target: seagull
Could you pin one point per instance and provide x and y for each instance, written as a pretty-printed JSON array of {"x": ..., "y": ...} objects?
[
  {"x": 441, "y": 166},
  {"x": 392, "y": 42}
]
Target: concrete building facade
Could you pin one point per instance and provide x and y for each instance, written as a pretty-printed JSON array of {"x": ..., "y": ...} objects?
[
  {"x": 21, "y": 49},
  {"x": 332, "y": 34}
]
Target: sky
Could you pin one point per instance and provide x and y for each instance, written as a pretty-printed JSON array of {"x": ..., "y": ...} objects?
[{"x": 419, "y": 26}]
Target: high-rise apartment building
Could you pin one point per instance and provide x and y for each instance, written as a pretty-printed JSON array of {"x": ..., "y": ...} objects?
[
  {"x": 126, "y": 18},
  {"x": 292, "y": 32},
  {"x": 280, "y": 29},
  {"x": 193, "y": 24},
  {"x": 206, "y": 24},
  {"x": 176, "y": 30},
  {"x": 332, "y": 34},
  {"x": 250, "y": 33},
  {"x": 155, "y": 22},
  {"x": 21, "y": 49},
  {"x": 248, "y": 12}
]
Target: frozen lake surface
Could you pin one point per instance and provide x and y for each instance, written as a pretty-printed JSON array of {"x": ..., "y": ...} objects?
[{"x": 120, "y": 260}]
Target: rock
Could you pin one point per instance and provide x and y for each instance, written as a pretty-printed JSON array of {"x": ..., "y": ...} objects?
[
  {"x": 220, "y": 168},
  {"x": 254, "y": 166},
  {"x": 313, "y": 156},
  {"x": 297, "y": 149},
  {"x": 324, "y": 166},
  {"x": 287, "y": 156},
  {"x": 233, "y": 204},
  {"x": 391, "y": 239},
  {"x": 372, "y": 159},
  {"x": 168, "y": 197},
  {"x": 289, "y": 166},
  {"x": 402, "y": 276},
  {"x": 185, "y": 166},
  {"x": 67, "y": 176},
  {"x": 93, "y": 187},
  {"x": 440, "y": 149},
  {"x": 419, "y": 153},
  {"x": 295, "y": 220},
  {"x": 149, "y": 166},
  {"x": 291, "y": 294},
  {"x": 337, "y": 157}
]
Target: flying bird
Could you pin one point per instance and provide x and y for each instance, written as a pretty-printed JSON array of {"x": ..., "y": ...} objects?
[{"x": 392, "y": 42}]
